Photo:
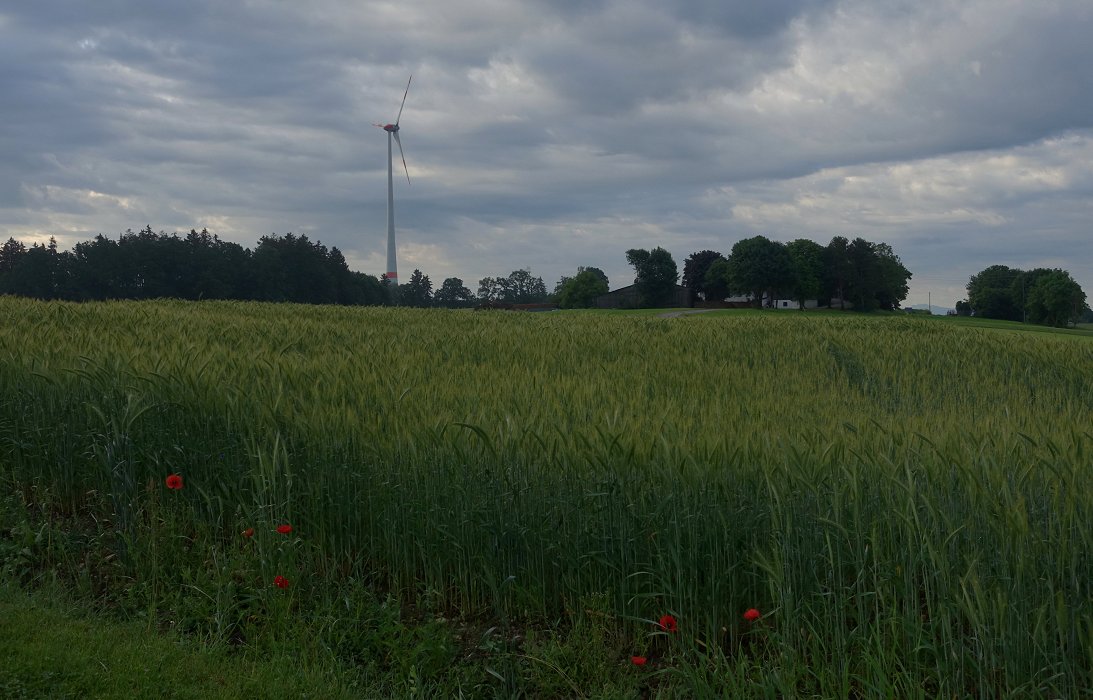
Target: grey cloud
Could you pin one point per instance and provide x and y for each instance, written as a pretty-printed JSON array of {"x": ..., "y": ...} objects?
[
  {"x": 746, "y": 19},
  {"x": 637, "y": 54},
  {"x": 1017, "y": 88},
  {"x": 549, "y": 134}
]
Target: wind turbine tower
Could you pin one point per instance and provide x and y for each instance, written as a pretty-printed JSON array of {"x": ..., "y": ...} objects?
[{"x": 392, "y": 132}]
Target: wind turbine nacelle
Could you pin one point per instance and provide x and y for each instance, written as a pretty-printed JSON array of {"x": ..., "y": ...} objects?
[{"x": 389, "y": 127}]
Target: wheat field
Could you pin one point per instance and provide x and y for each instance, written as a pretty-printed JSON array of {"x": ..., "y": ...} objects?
[{"x": 907, "y": 501}]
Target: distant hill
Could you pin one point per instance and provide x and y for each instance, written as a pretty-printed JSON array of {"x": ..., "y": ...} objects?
[{"x": 937, "y": 310}]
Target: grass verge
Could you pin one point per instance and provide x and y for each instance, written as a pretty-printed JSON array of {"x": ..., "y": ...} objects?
[{"x": 52, "y": 648}]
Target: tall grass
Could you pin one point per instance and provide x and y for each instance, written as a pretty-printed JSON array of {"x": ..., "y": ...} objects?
[{"x": 907, "y": 503}]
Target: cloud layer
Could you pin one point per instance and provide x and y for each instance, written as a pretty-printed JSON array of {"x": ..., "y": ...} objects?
[{"x": 549, "y": 135}]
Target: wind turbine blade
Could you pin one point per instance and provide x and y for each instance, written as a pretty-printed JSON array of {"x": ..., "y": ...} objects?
[
  {"x": 403, "y": 100},
  {"x": 399, "y": 142}
]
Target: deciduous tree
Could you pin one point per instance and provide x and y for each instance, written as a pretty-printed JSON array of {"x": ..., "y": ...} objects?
[
  {"x": 520, "y": 287},
  {"x": 759, "y": 266},
  {"x": 453, "y": 294},
  {"x": 525, "y": 288},
  {"x": 991, "y": 293},
  {"x": 1055, "y": 299},
  {"x": 695, "y": 268},
  {"x": 656, "y": 275},
  {"x": 893, "y": 278},
  {"x": 836, "y": 269},
  {"x": 807, "y": 264},
  {"x": 580, "y": 291},
  {"x": 717, "y": 280}
]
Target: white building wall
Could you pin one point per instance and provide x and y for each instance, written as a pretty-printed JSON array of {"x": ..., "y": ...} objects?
[{"x": 794, "y": 304}]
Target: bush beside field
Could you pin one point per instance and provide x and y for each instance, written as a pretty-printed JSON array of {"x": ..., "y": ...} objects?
[{"x": 905, "y": 501}]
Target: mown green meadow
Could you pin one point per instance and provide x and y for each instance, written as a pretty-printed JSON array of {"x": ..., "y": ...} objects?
[{"x": 906, "y": 501}]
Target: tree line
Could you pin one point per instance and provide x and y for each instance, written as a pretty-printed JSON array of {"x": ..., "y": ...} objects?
[
  {"x": 858, "y": 273},
  {"x": 292, "y": 268},
  {"x": 519, "y": 287},
  {"x": 146, "y": 265},
  {"x": 1042, "y": 296},
  {"x": 861, "y": 273}
]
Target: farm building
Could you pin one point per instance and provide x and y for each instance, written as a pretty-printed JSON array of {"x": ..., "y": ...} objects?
[
  {"x": 794, "y": 304},
  {"x": 748, "y": 301},
  {"x": 628, "y": 298}
]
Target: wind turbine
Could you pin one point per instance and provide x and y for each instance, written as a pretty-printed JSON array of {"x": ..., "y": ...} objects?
[{"x": 392, "y": 131}]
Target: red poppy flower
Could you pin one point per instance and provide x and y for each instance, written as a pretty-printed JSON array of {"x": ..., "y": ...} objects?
[
  {"x": 248, "y": 533},
  {"x": 638, "y": 660},
  {"x": 751, "y": 614},
  {"x": 284, "y": 529},
  {"x": 669, "y": 623},
  {"x": 280, "y": 581},
  {"x": 174, "y": 482}
]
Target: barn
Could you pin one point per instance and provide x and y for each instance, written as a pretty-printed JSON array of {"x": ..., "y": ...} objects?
[{"x": 629, "y": 298}]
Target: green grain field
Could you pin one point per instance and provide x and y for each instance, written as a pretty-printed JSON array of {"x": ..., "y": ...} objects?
[{"x": 907, "y": 501}]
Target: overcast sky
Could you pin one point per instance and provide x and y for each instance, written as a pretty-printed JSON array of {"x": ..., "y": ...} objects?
[{"x": 550, "y": 134}]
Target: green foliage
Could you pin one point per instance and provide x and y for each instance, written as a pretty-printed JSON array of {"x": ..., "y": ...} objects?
[
  {"x": 870, "y": 275},
  {"x": 759, "y": 266},
  {"x": 580, "y": 292},
  {"x": 417, "y": 292},
  {"x": 875, "y": 278},
  {"x": 33, "y": 272},
  {"x": 11, "y": 254},
  {"x": 55, "y": 647},
  {"x": 147, "y": 265},
  {"x": 695, "y": 268},
  {"x": 1049, "y": 297},
  {"x": 453, "y": 294},
  {"x": 1055, "y": 299},
  {"x": 656, "y": 275},
  {"x": 595, "y": 271},
  {"x": 520, "y": 287},
  {"x": 292, "y": 268},
  {"x": 716, "y": 280},
  {"x": 807, "y": 263},
  {"x": 991, "y": 293},
  {"x": 572, "y": 662},
  {"x": 892, "y": 278}
]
